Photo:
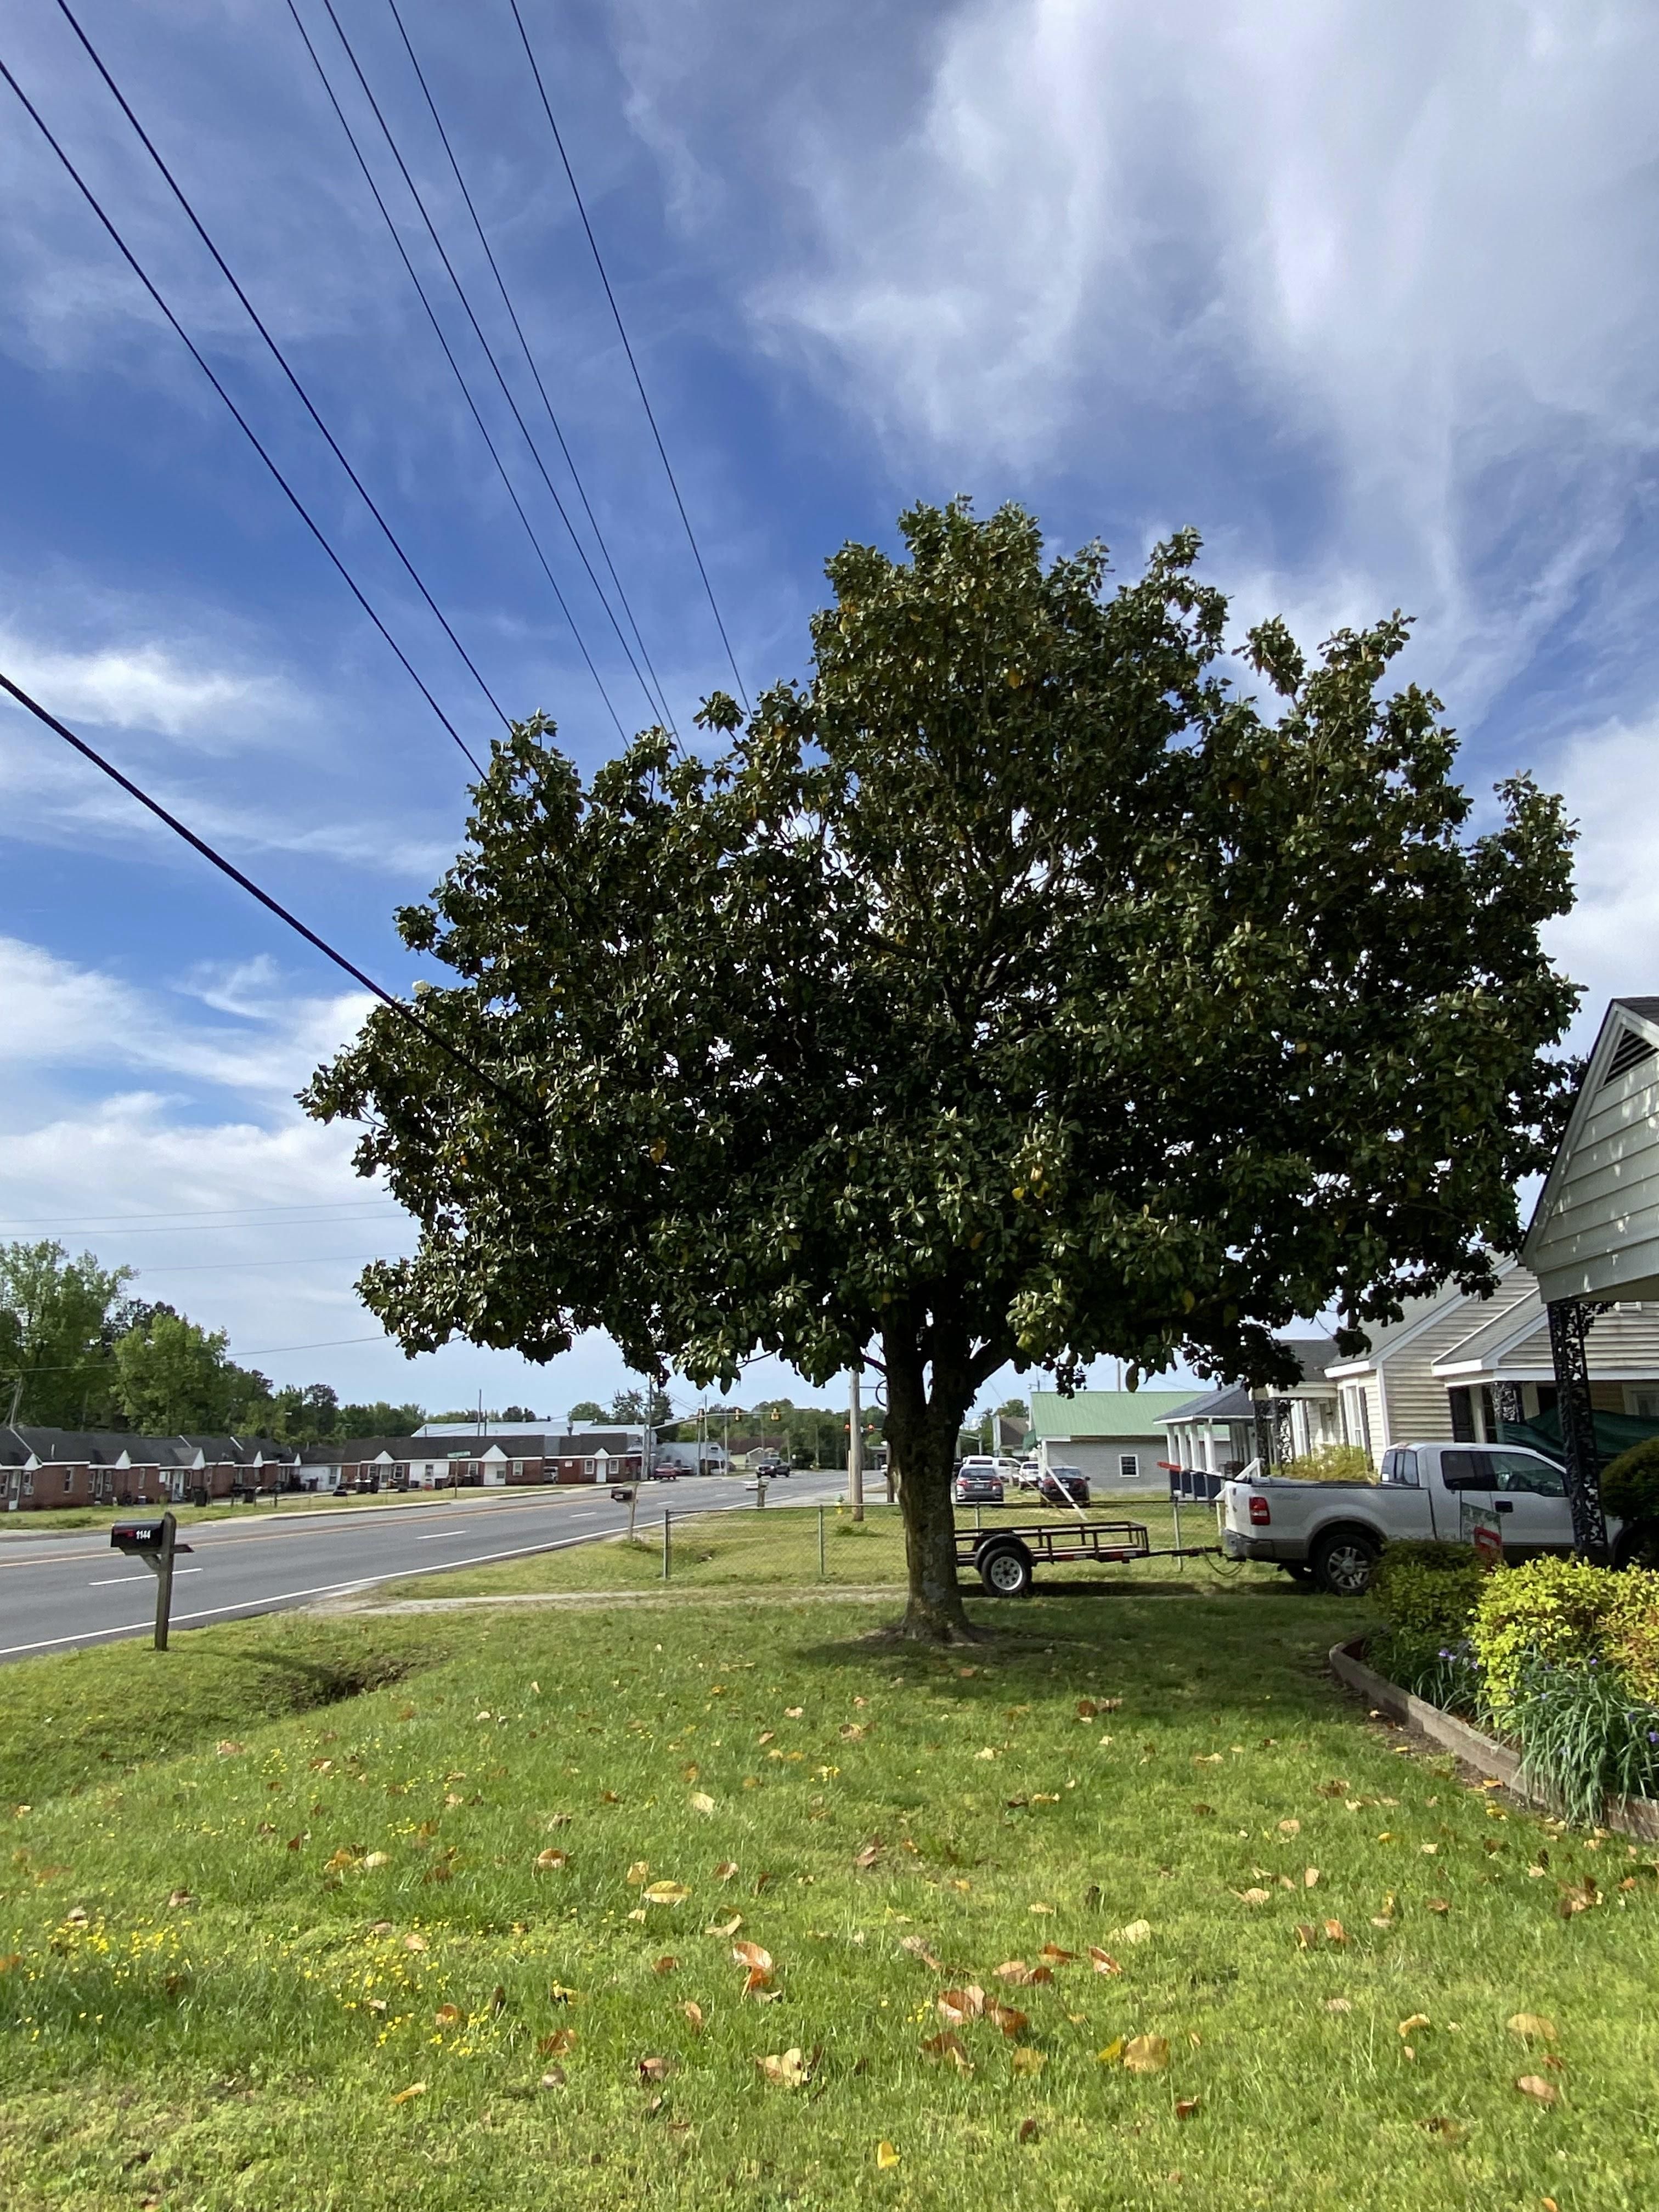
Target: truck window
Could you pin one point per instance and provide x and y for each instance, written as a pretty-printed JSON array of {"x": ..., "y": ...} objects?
[
  {"x": 1465, "y": 1470},
  {"x": 1400, "y": 1467},
  {"x": 1519, "y": 1471}
]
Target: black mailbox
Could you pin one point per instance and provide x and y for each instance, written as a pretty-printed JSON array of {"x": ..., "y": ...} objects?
[{"x": 138, "y": 1535}]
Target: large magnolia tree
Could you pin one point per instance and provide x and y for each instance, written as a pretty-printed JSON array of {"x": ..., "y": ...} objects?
[{"x": 1019, "y": 989}]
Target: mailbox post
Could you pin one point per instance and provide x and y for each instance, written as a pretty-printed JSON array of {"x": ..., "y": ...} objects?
[{"x": 156, "y": 1543}]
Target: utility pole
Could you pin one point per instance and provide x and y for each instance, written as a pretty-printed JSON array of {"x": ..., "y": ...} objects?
[{"x": 854, "y": 1449}]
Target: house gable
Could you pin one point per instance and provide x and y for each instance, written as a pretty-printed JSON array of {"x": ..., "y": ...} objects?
[{"x": 1595, "y": 1231}]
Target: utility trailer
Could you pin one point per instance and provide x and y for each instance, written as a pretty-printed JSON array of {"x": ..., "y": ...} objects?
[{"x": 1005, "y": 1558}]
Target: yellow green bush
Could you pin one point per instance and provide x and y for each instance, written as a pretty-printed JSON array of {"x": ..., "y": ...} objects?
[
  {"x": 1331, "y": 1463},
  {"x": 1566, "y": 1613}
]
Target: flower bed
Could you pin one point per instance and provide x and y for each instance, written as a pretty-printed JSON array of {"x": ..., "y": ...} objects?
[{"x": 1554, "y": 1664}]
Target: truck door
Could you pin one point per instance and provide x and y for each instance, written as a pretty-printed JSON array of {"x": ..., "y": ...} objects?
[
  {"x": 1468, "y": 1475},
  {"x": 1530, "y": 1494}
]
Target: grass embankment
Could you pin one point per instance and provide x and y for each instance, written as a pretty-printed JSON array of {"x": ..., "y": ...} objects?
[
  {"x": 779, "y": 1545},
  {"x": 409, "y": 1951}
]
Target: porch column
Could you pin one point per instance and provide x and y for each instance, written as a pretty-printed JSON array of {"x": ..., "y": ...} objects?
[{"x": 1571, "y": 1321}]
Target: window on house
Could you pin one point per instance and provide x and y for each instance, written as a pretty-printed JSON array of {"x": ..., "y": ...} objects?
[
  {"x": 1129, "y": 1467},
  {"x": 1643, "y": 1403},
  {"x": 28, "y": 1485},
  {"x": 69, "y": 1479}
]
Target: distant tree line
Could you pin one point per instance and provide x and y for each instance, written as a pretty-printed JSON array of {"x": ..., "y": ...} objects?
[{"x": 77, "y": 1351}]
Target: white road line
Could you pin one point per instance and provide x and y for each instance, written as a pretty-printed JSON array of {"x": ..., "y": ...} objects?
[{"x": 113, "y": 1580}]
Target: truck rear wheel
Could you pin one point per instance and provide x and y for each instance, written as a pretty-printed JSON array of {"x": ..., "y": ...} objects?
[
  {"x": 1344, "y": 1562},
  {"x": 1005, "y": 1570}
]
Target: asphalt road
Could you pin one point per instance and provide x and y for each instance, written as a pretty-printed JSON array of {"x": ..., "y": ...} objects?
[{"x": 58, "y": 1592}]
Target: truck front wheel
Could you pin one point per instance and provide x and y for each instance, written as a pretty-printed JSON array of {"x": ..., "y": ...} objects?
[{"x": 1344, "y": 1562}]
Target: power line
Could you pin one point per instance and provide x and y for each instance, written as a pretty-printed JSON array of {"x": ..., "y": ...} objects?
[
  {"x": 280, "y": 358},
  {"x": 506, "y": 392},
  {"x": 529, "y": 358},
  {"x": 228, "y": 868},
  {"x": 246, "y": 427},
  {"x": 95, "y": 1222},
  {"x": 124, "y": 1229},
  {"x": 466, "y": 392},
  {"x": 621, "y": 332}
]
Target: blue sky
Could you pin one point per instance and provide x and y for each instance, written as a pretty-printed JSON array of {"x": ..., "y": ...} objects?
[{"x": 1368, "y": 296}]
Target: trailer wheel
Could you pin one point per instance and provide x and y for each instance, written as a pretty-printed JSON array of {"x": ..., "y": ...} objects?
[
  {"x": 1344, "y": 1562},
  {"x": 1005, "y": 1570}
]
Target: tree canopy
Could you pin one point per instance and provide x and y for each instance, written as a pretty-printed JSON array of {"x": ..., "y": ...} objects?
[{"x": 1020, "y": 988}]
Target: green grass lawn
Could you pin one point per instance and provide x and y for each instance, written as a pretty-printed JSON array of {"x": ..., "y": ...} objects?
[
  {"x": 289, "y": 1947},
  {"x": 780, "y": 1544}
]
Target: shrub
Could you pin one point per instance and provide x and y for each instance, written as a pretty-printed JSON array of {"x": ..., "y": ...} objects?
[
  {"x": 1428, "y": 1589},
  {"x": 1583, "y": 1737},
  {"x": 1331, "y": 1463},
  {"x": 1565, "y": 1613},
  {"x": 1630, "y": 1484}
]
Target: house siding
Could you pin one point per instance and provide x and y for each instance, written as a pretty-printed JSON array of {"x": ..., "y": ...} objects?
[
  {"x": 1414, "y": 1405},
  {"x": 1602, "y": 1227}
]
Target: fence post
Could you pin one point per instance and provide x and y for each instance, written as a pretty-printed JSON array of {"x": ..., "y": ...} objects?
[
  {"x": 665, "y": 1518},
  {"x": 633, "y": 1508},
  {"x": 823, "y": 1575}
]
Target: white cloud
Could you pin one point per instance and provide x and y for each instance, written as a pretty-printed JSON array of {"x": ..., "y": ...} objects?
[
  {"x": 1379, "y": 277},
  {"x": 1610, "y": 942},
  {"x": 148, "y": 686},
  {"x": 59, "y": 1015}
]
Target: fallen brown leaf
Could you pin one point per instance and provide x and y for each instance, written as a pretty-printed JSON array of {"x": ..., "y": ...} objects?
[
  {"x": 415, "y": 2089},
  {"x": 754, "y": 1956},
  {"x": 694, "y": 2015},
  {"x": 1147, "y": 2054},
  {"x": 559, "y": 2045},
  {"x": 1102, "y": 1962},
  {"x": 724, "y": 1927},
  {"x": 1535, "y": 2085},
  {"x": 917, "y": 1947},
  {"x": 551, "y": 1860},
  {"x": 791, "y": 2070},
  {"x": 1186, "y": 2106},
  {"x": 1060, "y": 1958},
  {"x": 1531, "y": 2028},
  {"x": 655, "y": 2070},
  {"x": 956, "y": 2006},
  {"x": 446, "y": 2015},
  {"x": 947, "y": 2046},
  {"x": 1027, "y": 2131},
  {"x": 1011, "y": 2021},
  {"x": 666, "y": 1965}
]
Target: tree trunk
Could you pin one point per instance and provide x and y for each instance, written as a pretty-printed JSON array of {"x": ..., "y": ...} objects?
[{"x": 921, "y": 1432}]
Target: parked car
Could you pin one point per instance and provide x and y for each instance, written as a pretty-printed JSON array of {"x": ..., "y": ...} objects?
[
  {"x": 770, "y": 1470},
  {"x": 997, "y": 1466},
  {"x": 977, "y": 1486},
  {"x": 1332, "y": 1534},
  {"x": 1062, "y": 1486}
]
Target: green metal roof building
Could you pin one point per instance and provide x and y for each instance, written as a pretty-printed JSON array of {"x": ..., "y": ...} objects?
[{"x": 1115, "y": 1437}]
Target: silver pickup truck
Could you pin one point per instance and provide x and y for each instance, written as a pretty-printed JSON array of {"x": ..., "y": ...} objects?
[{"x": 1331, "y": 1533}]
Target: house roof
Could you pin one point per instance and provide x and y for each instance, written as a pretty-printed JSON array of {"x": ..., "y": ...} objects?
[
  {"x": 1104, "y": 1413},
  {"x": 1232, "y": 1404},
  {"x": 103, "y": 1448}
]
